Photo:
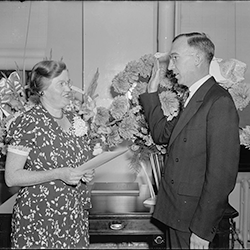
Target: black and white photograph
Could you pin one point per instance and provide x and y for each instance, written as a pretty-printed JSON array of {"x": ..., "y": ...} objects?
[{"x": 124, "y": 124}]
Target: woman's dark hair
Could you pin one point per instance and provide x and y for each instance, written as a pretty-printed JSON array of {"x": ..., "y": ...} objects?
[
  {"x": 201, "y": 42},
  {"x": 41, "y": 75}
]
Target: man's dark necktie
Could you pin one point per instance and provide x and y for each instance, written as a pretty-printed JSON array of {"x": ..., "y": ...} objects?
[{"x": 183, "y": 98}]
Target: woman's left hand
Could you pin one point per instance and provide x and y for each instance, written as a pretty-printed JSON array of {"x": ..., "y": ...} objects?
[{"x": 88, "y": 175}]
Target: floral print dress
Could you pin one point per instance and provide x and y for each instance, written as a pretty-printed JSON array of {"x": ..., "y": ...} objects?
[{"x": 52, "y": 214}]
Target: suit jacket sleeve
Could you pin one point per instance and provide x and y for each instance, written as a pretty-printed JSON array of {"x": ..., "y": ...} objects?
[{"x": 159, "y": 126}]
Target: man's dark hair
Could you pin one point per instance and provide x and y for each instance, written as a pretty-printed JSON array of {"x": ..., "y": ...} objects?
[{"x": 201, "y": 42}]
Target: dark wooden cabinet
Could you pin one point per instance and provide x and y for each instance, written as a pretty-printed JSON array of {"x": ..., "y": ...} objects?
[
  {"x": 106, "y": 229},
  {"x": 123, "y": 218},
  {"x": 120, "y": 228},
  {"x": 5, "y": 229}
]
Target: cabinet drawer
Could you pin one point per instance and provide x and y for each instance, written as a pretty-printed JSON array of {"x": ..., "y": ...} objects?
[
  {"x": 120, "y": 225},
  {"x": 5, "y": 223},
  {"x": 4, "y": 240}
]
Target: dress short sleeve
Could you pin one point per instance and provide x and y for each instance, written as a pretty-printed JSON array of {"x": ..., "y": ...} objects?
[{"x": 21, "y": 134}]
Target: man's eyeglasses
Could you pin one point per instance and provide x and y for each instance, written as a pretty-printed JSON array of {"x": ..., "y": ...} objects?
[{"x": 175, "y": 57}]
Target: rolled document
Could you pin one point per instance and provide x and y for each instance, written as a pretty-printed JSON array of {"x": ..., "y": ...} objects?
[{"x": 101, "y": 159}]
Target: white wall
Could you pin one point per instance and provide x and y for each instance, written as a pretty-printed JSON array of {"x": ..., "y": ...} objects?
[
  {"x": 108, "y": 34},
  {"x": 227, "y": 23},
  {"x": 31, "y": 29},
  {"x": 65, "y": 36},
  {"x": 114, "y": 34},
  {"x": 14, "y": 25},
  {"x": 88, "y": 35}
]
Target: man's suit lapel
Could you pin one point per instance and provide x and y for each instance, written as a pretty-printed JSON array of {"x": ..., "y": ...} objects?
[{"x": 192, "y": 107}]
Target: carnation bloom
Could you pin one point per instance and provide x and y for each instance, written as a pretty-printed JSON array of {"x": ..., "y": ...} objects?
[
  {"x": 104, "y": 130},
  {"x": 102, "y": 116},
  {"x": 240, "y": 93},
  {"x": 132, "y": 70},
  {"x": 80, "y": 127},
  {"x": 128, "y": 127},
  {"x": 245, "y": 137},
  {"x": 169, "y": 104},
  {"x": 147, "y": 65},
  {"x": 120, "y": 83},
  {"x": 114, "y": 138},
  {"x": 119, "y": 107},
  {"x": 97, "y": 149}
]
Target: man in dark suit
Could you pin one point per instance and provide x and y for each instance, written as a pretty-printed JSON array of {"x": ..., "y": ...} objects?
[{"x": 201, "y": 165}]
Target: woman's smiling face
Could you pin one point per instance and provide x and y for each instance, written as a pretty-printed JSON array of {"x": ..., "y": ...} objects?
[{"x": 59, "y": 93}]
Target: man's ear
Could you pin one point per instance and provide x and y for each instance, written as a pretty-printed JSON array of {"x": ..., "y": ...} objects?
[{"x": 199, "y": 58}]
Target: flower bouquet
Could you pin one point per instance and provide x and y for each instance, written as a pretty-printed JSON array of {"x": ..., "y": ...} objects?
[
  {"x": 12, "y": 103},
  {"x": 230, "y": 75},
  {"x": 124, "y": 121}
]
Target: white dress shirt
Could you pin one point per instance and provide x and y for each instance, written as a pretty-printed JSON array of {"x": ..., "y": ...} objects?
[{"x": 195, "y": 87}]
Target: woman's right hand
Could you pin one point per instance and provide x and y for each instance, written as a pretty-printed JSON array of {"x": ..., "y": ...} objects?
[{"x": 88, "y": 175}]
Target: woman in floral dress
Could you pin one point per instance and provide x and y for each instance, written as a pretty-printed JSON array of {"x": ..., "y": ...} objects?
[{"x": 45, "y": 147}]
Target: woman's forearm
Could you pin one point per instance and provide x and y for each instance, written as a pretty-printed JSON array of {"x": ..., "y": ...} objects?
[
  {"x": 16, "y": 175},
  {"x": 23, "y": 177}
]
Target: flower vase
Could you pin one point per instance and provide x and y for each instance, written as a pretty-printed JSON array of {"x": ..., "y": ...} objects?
[
  {"x": 151, "y": 200},
  {"x": 156, "y": 164}
]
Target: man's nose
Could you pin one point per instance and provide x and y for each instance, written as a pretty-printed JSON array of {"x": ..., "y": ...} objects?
[{"x": 170, "y": 65}]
